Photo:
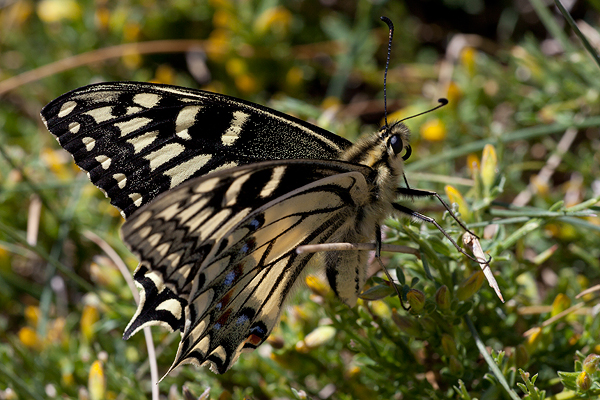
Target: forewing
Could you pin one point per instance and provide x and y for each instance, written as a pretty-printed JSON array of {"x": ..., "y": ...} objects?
[
  {"x": 224, "y": 247},
  {"x": 137, "y": 140}
]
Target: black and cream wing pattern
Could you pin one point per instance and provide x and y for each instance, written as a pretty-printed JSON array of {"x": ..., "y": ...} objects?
[
  {"x": 222, "y": 248},
  {"x": 136, "y": 140},
  {"x": 218, "y": 194}
]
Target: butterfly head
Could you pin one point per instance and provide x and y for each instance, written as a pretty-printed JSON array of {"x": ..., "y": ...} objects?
[{"x": 396, "y": 138}]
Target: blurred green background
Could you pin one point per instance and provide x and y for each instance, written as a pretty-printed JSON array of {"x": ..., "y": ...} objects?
[{"x": 517, "y": 151}]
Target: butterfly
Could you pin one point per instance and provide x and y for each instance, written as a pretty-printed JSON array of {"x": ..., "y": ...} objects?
[{"x": 218, "y": 193}]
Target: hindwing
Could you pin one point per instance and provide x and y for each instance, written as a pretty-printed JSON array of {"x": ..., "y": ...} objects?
[
  {"x": 137, "y": 140},
  {"x": 218, "y": 252}
]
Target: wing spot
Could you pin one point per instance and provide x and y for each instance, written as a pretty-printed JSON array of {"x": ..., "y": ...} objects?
[
  {"x": 232, "y": 194},
  {"x": 164, "y": 155},
  {"x": 163, "y": 249},
  {"x": 145, "y": 231},
  {"x": 133, "y": 110},
  {"x": 225, "y": 166},
  {"x": 104, "y": 161},
  {"x": 142, "y": 141},
  {"x": 172, "y": 306},
  {"x": 89, "y": 143},
  {"x": 273, "y": 183},
  {"x": 154, "y": 239},
  {"x": 140, "y": 220},
  {"x": 74, "y": 127},
  {"x": 121, "y": 180},
  {"x": 232, "y": 134},
  {"x": 186, "y": 119},
  {"x": 146, "y": 100},
  {"x": 67, "y": 109},
  {"x": 183, "y": 171},
  {"x": 136, "y": 198},
  {"x": 132, "y": 125},
  {"x": 101, "y": 114},
  {"x": 207, "y": 186}
]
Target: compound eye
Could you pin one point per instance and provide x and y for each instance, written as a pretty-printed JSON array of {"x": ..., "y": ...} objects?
[{"x": 396, "y": 144}]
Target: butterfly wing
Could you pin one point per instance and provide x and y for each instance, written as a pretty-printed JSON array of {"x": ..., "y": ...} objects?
[
  {"x": 137, "y": 140},
  {"x": 218, "y": 252}
]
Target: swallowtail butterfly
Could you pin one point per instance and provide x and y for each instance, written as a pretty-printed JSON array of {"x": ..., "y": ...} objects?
[{"x": 218, "y": 193}]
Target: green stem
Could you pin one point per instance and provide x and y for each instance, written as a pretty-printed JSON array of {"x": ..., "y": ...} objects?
[{"x": 489, "y": 360}]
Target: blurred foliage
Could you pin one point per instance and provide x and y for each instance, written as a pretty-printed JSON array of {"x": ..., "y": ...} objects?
[{"x": 517, "y": 151}]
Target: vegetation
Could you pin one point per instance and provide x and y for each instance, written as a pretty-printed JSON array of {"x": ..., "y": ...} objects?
[{"x": 517, "y": 152}]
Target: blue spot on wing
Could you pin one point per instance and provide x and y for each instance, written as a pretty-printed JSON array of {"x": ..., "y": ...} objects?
[{"x": 229, "y": 278}]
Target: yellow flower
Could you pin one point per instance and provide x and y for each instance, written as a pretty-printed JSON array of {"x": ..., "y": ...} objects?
[
  {"x": 467, "y": 58},
  {"x": 317, "y": 285},
  {"x": 236, "y": 67},
  {"x": 19, "y": 12},
  {"x": 294, "y": 76},
  {"x": 57, "y": 10},
  {"x": 246, "y": 83},
  {"x": 29, "y": 338},
  {"x": 277, "y": 19},
  {"x": 433, "y": 130},
  {"x": 57, "y": 163},
  {"x": 164, "y": 74},
  {"x": 102, "y": 18},
  {"x": 454, "y": 94},
  {"x": 218, "y": 44},
  {"x": 131, "y": 32},
  {"x": 223, "y": 18},
  {"x": 32, "y": 315}
]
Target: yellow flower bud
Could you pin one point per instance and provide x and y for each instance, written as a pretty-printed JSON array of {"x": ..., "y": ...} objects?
[
  {"x": 561, "y": 303},
  {"x": 416, "y": 299},
  {"x": 449, "y": 345},
  {"x": 584, "y": 382},
  {"x": 456, "y": 368},
  {"x": 489, "y": 167},
  {"x": 442, "y": 298},
  {"x": 470, "y": 286},
  {"x": 521, "y": 356},
  {"x": 89, "y": 317},
  {"x": 319, "y": 336},
  {"x": 591, "y": 363},
  {"x": 96, "y": 381},
  {"x": 408, "y": 325},
  {"x": 456, "y": 197}
]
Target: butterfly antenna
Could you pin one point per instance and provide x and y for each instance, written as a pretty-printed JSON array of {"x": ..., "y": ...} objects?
[
  {"x": 442, "y": 102},
  {"x": 387, "y": 64}
]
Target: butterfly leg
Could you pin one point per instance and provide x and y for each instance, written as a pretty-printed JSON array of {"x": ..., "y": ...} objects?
[
  {"x": 410, "y": 192},
  {"x": 425, "y": 218},
  {"x": 378, "y": 257}
]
